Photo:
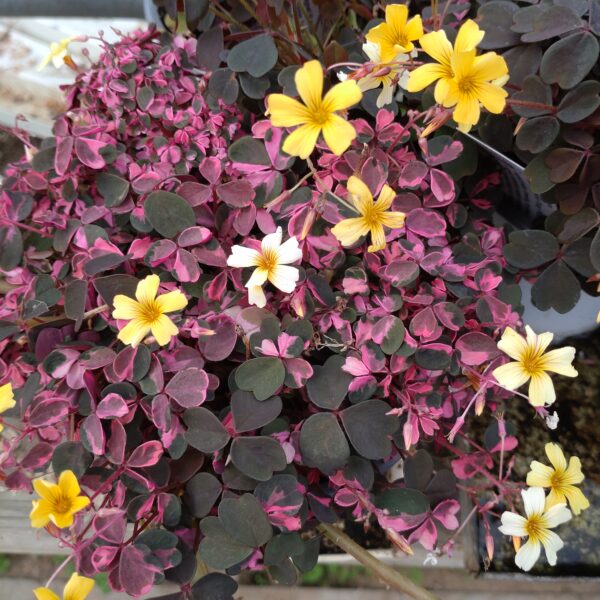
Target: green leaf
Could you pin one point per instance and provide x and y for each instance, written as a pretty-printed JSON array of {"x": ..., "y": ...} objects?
[
  {"x": 205, "y": 432},
  {"x": 11, "y": 247},
  {"x": 262, "y": 376},
  {"x": 71, "y": 456},
  {"x": 111, "y": 285},
  {"x": 537, "y": 134},
  {"x": 257, "y": 457},
  {"x": 368, "y": 428},
  {"x": 402, "y": 501},
  {"x": 328, "y": 386},
  {"x": 245, "y": 520},
  {"x": 214, "y": 586},
  {"x": 256, "y": 56},
  {"x": 523, "y": 61},
  {"x": 254, "y": 87},
  {"x": 538, "y": 174},
  {"x": 389, "y": 333},
  {"x": 418, "y": 470},
  {"x": 552, "y": 22},
  {"x": 209, "y": 48},
  {"x": 75, "y": 298},
  {"x": 570, "y": 59},
  {"x": 556, "y": 288},
  {"x": 247, "y": 150},
  {"x": 496, "y": 18},
  {"x": 250, "y": 414},
  {"x": 168, "y": 213},
  {"x": 323, "y": 444},
  {"x": 201, "y": 493},
  {"x": 223, "y": 84},
  {"x": 112, "y": 188},
  {"x": 580, "y": 102},
  {"x": 536, "y": 91},
  {"x": 218, "y": 549},
  {"x": 528, "y": 249},
  {"x": 144, "y": 96}
]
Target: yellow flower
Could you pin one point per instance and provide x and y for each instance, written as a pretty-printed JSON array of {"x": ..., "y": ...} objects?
[
  {"x": 561, "y": 479},
  {"x": 147, "y": 314},
  {"x": 531, "y": 363},
  {"x": 7, "y": 399},
  {"x": 58, "y": 53},
  {"x": 77, "y": 588},
  {"x": 58, "y": 502},
  {"x": 374, "y": 216},
  {"x": 397, "y": 33},
  {"x": 317, "y": 114},
  {"x": 464, "y": 80}
]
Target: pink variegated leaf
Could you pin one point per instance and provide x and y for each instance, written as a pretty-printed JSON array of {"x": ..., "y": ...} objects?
[
  {"x": 64, "y": 153},
  {"x": 445, "y": 512},
  {"x": 145, "y": 455},
  {"x": 476, "y": 348},
  {"x": 297, "y": 372},
  {"x": 186, "y": 268},
  {"x": 88, "y": 152}
]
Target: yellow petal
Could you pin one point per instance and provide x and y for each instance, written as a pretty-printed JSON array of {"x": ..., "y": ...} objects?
[
  {"x": 396, "y": 16},
  {"x": 46, "y": 490},
  {"x": 393, "y": 220},
  {"x": 540, "y": 475},
  {"x": 556, "y": 456},
  {"x": 492, "y": 97},
  {"x": 125, "y": 308},
  {"x": 559, "y": 361},
  {"x": 377, "y": 238},
  {"x": 62, "y": 520},
  {"x": 442, "y": 90},
  {"x": 576, "y": 498},
  {"x": 385, "y": 198},
  {"x": 45, "y": 594},
  {"x": 436, "y": 44},
  {"x": 468, "y": 37},
  {"x": 338, "y": 134},
  {"x": 68, "y": 484},
  {"x": 7, "y": 398},
  {"x": 360, "y": 194},
  {"x": 147, "y": 289},
  {"x": 512, "y": 344},
  {"x": 40, "y": 513},
  {"x": 163, "y": 329},
  {"x": 541, "y": 390},
  {"x": 511, "y": 375},
  {"x": 79, "y": 503},
  {"x": 284, "y": 111},
  {"x": 134, "y": 332},
  {"x": 489, "y": 66},
  {"x": 171, "y": 301},
  {"x": 555, "y": 497},
  {"x": 78, "y": 587},
  {"x": 425, "y": 75},
  {"x": 349, "y": 231},
  {"x": 302, "y": 141},
  {"x": 309, "y": 83},
  {"x": 414, "y": 28},
  {"x": 342, "y": 96},
  {"x": 573, "y": 474}
]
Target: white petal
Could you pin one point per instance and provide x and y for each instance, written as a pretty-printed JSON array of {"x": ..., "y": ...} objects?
[
  {"x": 527, "y": 555},
  {"x": 243, "y": 257},
  {"x": 556, "y": 515},
  {"x": 289, "y": 252},
  {"x": 534, "y": 500},
  {"x": 385, "y": 96},
  {"x": 256, "y": 296},
  {"x": 513, "y": 524},
  {"x": 368, "y": 83},
  {"x": 272, "y": 241},
  {"x": 559, "y": 361},
  {"x": 371, "y": 49},
  {"x": 258, "y": 277},
  {"x": 552, "y": 544},
  {"x": 538, "y": 341},
  {"x": 512, "y": 344},
  {"x": 284, "y": 278},
  {"x": 541, "y": 390}
]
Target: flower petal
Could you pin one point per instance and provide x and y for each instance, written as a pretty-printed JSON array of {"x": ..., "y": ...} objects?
[
  {"x": 528, "y": 554},
  {"x": 7, "y": 397},
  {"x": 125, "y": 307},
  {"x": 556, "y": 515},
  {"x": 171, "y": 301},
  {"x": 559, "y": 361},
  {"x": 511, "y": 375},
  {"x": 534, "y": 500},
  {"x": 538, "y": 342},
  {"x": 62, "y": 520},
  {"x": 468, "y": 37},
  {"x": 436, "y": 44},
  {"x": 513, "y": 524},
  {"x": 576, "y": 498},
  {"x": 289, "y": 252},
  {"x": 78, "y": 587},
  {"x": 284, "y": 278},
  {"x": 556, "y": 456},
  {"x": 385, "y": 198},
  {"x": 489, "y": 66},
  {"x": 45, "y": 594},
  {"x": 256, "y": 296},
  {"x": 284, "y": 111},
  {"x": 573, "y": 474},
  {"x": 40, "y": 513},
  {"x": 241, "y": 257},
  {"x": 425, "y": 75},
  {"x": 541, "y": 390},
  {"x": 512, "y": 344},
  {"x": 271, "y": 242},
  {"x": 163, "y": 329},
  {"x": 492, "y": 97},
  {"x": 134, "y": 332},
  {"x": 393, "y": 220},
  {"x": 342, "y": 96},
  {"x": 540, "y": 475},
  {"x": 147, "y": 289},
  {"x": 467, "y": 111},
  {"x": 258, "y": 277},
  {"x": 377, "y": 238},
  {"x": 46, "y": 490},
  {"x": 309, "y": 83},
  {"x": 68, "y": 484},
  {"x": 338, "y": 134},
  {"x": 552, "y": 544},
  {"x": 302, "y": 141},
  {"x": 359, "y": 194},
  {"x": 349, "y": 231}
]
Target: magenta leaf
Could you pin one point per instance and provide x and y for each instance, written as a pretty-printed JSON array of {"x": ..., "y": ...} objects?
[
  {"x": 146, "y": 455},
  {"x": 188, "y": 387},
  {"x": 476, "y": 348}
]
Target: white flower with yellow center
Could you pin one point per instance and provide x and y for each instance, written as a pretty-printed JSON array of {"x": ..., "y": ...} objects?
[
  {"x": 271, "y": 264},
  {"x": 531, "y": 361},
  {"x": 536, "y": 526},
  {"x": 147, "y": 312},
  {"x": 387, "y": 75},
  {"x": 58, "y": 52},
  {"x": 561, "y": 478}
]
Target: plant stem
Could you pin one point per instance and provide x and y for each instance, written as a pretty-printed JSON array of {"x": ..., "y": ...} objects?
[
  {"x": 95, "y": 311},
  {"x": 390, "y": 576},
  {"x": 58, "y": 570}
]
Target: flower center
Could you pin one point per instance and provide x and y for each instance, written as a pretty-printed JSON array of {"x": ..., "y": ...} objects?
[
  {"x": 63, "y": 505},
  {"x": 531, "y": 363},
  {"x": 535, "y": 527},
  {"x": 372, "y": 216},
  {"x": 268, "y": 261},
  {"x": 320, "y": 115},
  {"x": 150, "y": 312},
  {"x": 465, "y": 85},
  {"x": 557, "y": 480}
]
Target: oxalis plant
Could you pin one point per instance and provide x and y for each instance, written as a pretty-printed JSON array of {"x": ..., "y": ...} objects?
[{"x": 251, "y": 290}]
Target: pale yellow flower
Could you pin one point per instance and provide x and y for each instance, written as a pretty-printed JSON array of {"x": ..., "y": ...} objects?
[
  {"x": 77, "y": 588},
  {"x": 7, "y": 399},
  {"x": 562, "y": 479},
  {"x": 58, "y": 52},
  {"x": 374, "y": 216},
  {"x": 58, "y": 502},
  {"x": 271, "y": 263},
  {"x": 397, "y": 34},
  {"x": 537, "y": 524},
  {"x": 148, "y": 313},
  {"x": 317, "y": 115},
  {"x": 531, "y": 363}
]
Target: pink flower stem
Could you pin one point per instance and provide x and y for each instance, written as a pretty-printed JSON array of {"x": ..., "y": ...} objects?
[
  {"x": 25, "y": 227},
  {"x": 58, "y": 570}
]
